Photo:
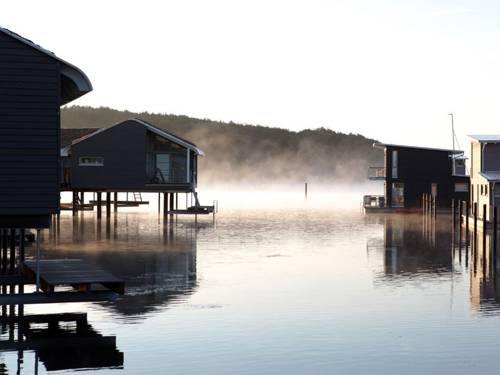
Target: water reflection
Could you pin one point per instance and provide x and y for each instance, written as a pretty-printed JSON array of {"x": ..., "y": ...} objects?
[
  {"x": 410, "y": 249},
  {"x": 59, "y": 342},
  {"x": 157, "y": 262}
]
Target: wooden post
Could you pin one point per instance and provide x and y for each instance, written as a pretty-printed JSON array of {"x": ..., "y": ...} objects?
[
  {"x": 165, "y": 205},
  {"x": 4, "y": 251},
  {"x": 115, "y": 202},
  {"x": 99, "y": 205},
  {"x": 74, "y": 205},
  {"x": 82, "y": 198},
  {"x": 159, "y": 203},
  {"x": 176, "y": 201},
  {"x": 494, "y": 252},
  {"x": 453, "y": 214},
  {"x": 460, "y": 209},
  {"x": 171, "y": 204},
  {"x": 305, "y": 189},
  {"x": 108, "y": 204},
  {"x": 475, "y": 225},
  {"x": 484, "y": 241},
  {"x": 467, "y": 234}
]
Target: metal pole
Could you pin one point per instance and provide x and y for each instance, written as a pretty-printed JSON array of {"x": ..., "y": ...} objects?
[{"x": 37, "y": 260}]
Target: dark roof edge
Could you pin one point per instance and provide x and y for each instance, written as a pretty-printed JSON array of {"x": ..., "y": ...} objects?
[{"x": 383, "y": 145}]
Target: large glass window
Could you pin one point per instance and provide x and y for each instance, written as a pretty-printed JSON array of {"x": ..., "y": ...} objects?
[{"x": 394, "y": 164}]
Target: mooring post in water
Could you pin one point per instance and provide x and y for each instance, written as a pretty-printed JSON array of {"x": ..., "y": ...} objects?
[
  {"x": 99, "y": 205},
  {"x": 305, "y": 189}
]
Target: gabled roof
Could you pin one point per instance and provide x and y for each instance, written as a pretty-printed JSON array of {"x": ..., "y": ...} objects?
[
  {"x": 160, "y": 132},
  {"x": 383, "y": 145},
  {"x": 74, "y": 82},
  {"x": 491, "y": 138}
]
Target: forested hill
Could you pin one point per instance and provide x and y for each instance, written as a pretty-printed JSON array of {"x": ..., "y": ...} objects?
[{"x": 253, "y": 154}]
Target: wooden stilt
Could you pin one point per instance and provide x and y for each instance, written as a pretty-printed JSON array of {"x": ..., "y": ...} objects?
[
  {"x": 99, "y": 205},
  {"x": 165, "y": 205},
  {"x": 108, "y": 204},
  {"x": 115, "y": 203},
  {"x": 171, "y": 204},
  {"x": 75, "y": 203}
]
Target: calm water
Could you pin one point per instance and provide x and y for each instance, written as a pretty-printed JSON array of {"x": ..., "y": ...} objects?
[{"x": 276, "y": 291}]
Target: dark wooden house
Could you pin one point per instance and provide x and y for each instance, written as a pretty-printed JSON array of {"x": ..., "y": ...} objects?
[
  {"x": 34, "y": 83},
  {"x": 131, "y": 156},
  {"x": 409, "y": 172}
]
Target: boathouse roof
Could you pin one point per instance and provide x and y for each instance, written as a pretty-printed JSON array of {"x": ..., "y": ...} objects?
[
  {"x": 490, "y": 138},
  {"x": 384, "y": 145},
  {"x": 491, "y": 176},
  {"x": 74, "y": 82},
  {"x": 86, "y": 133}
]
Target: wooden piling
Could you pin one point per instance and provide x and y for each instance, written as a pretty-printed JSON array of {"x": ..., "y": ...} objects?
[
  {"x": 467, "y": 234},
  {"x": 475, "y": 225},
  {"x": 115, "y": 202},
  {"x": 171, "y": 204},
  {"x": 74, "y": 205},
  {"x": 12, "y": 254},
  {"x": 460, "y": 209},
  {"x": 453, "y": 214},
  {"x": 99, "y": 205},
  {"x": 165, "y": 205},
  {"x": 484, "y": 241},
  {"x": 494, "y": 248},
  {"x": 305, "y": 190},
  {"x": 159, "y": 203},
  {"x": 108, "y": 204},
  {"x": 4, "y": 251}
]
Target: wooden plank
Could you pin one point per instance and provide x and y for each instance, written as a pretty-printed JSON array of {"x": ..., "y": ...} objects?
[{"x": 56, "y": 297}]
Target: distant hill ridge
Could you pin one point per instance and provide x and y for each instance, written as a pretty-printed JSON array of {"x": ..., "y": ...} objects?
[{"x": 251, "y": 153}]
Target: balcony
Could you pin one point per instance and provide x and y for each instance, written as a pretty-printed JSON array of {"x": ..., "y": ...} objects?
[{"x": 376, "y": 173}]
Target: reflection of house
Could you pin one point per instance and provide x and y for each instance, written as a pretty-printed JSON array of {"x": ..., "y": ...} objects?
[
  {"x": 61, "y": 342},
  {"x": 485, "y": 173},
  {"x": 133, "y": 155},
  {"x": 34, "y": 84},
  {"x": 409, "y": 172},
  {"x": 407, "y": 252}
]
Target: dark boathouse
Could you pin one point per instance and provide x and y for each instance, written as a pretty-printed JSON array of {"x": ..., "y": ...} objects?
[
  {"x": 409, "y": 172},
  {"x": 34, "y": 83},
  {"x": 131, "y": 156}
]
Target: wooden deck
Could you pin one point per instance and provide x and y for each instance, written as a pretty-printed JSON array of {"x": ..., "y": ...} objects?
[
  {"x": 194, "y": 210},
  {"x": 74, "y": 272}
]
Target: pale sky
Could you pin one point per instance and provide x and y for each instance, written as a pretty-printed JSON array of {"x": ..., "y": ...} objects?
[{"x": 390, "y": 70}]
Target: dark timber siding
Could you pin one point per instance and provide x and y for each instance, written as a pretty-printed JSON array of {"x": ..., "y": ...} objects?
[
  {"x": 124, "y": 151},
  {"x": 29, "y": 130},
  {"x": 418, "y": 169}
]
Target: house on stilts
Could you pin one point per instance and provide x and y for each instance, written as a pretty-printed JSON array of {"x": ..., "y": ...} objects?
[
  {"x": 34, "y": 83},
  {"x": 410, "y": 172},
  {"x": 133, "y": 156}
]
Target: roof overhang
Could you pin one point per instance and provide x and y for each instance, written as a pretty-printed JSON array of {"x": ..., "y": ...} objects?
[
  {"x": 384, "y": 145},
  {"x": 491, "y": 176},
  {"x": 74, "y": 82},
  {"x": 486, "y": 138}
]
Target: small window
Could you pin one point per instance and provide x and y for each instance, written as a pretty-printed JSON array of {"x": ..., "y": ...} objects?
[
  {"x": 482, "y": 190},
  {"x": 91, "y": 161},
  {"x": 461, "y": 187},
  {"x": 485, "y": 189}
]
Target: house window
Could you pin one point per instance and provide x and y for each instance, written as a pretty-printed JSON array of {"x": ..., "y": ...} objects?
[
  {"x": 482, "y": 190},
  {"x": 485, "y": 189},
  {"x": 461, "y": 187},
  {"x": 90, "y": 161},
  {"x": 394, "y": 164}
]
